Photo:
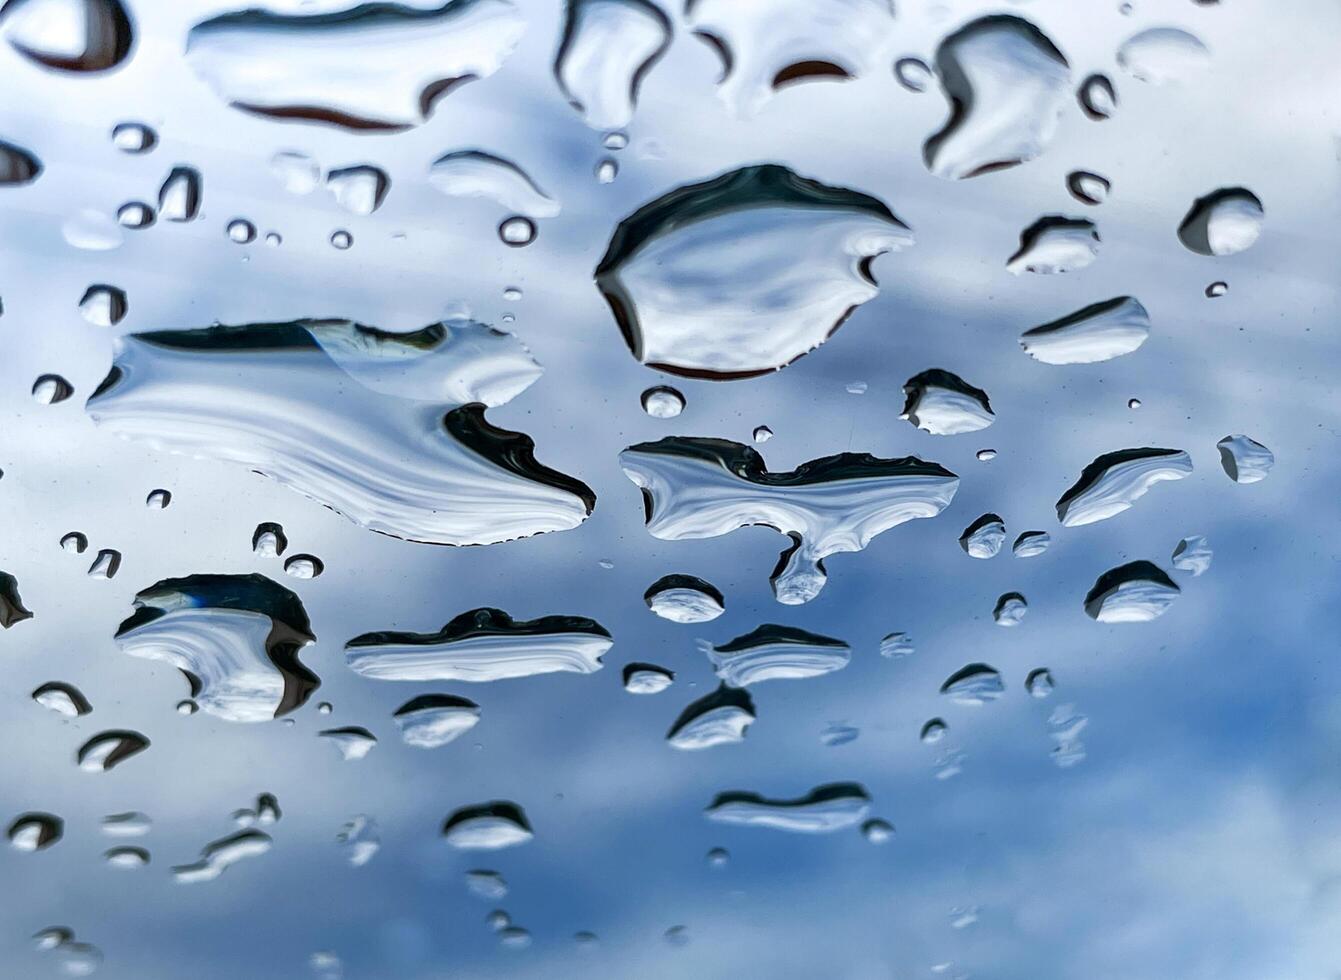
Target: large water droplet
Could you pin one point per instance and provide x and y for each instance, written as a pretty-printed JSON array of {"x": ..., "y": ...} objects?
[
  {"x": 685, "y": 599},
  {"x": 719, "y": 718},
  {"x": 1245, "y": 460},
  {"x": 744, "y": 273},
  {"x": 944, "y": 404},
  {"x": 488, "y": 826},
  {"x": 1133, "y": 593},
  {"x": 1163, "y": 54},
  {"x": 1114, "y": 481},
  {"x": 432, "y": 720},
  {"x": 835, "y": 806},
  {"x": 608, "y": 46},
  {"x": 1099, "y": 332},
  {"x": 1223, "y": 222},
  {"x": 69, "y": 35},
  {"x": 1055, "y": 244}
]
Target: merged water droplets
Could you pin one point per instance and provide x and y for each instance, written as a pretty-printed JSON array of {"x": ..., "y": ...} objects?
[
  {"x": 835, "y": 806},
  {"x": 482, "y": 645},
  {"x": 1114, "y": 481},
  {"x": 703, "y": 488},
  {"x": 718, "y": 718},
  {"x": 607, "y": 47},
  {"x": 974, "y": 684},
  {"x": 351, "y": 416},
  {"x": 1006, "y": 83},
  {"x": 1055, "y": 244},
  {"x": 764, "y": 46},
  {"x": 487, "y": 826},
  {"x": 376, "y": 66},
  {"x": 1223, "y": 222},
  {"x": 433, "y": 720},
  {"x": 772, "y": 652},
  {"x": 684, "y": 599},
  {"x": 76, "y": 959},
  {"x": 744, "y": 273},
  {"x": 944, "y": 404},
  {"x": 1160, "y": 55},
  {"x": 1099, "y": 332},
  {"x": 107, "y": 750},
  {"x": 984, "y": 537},
  {"x": 69, "y": 35},
  {"x": 1133, "y": 593},
  {"x": 1193, "y": 554},
  {"x": 236, "y": 638},
  {"x": 1245, "y": 460}
]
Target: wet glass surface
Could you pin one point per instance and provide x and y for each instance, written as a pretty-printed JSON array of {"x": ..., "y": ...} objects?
[{"x": 475, "y": 334}]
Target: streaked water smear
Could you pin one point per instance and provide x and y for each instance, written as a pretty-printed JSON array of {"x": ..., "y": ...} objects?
[
  {"x": 834, "y": 806},
  {"x": 1006, "y": 83},
  {"x": 1160, "y": 55},
  {"x": 772, "y": 652},
  {"x": 984, "y": 537},
  {"x": 1224, "y": 222},
  {"x": 474, "y": 173},
  {"x": 764, "y": 46},
  {"x": 220, "y": 855},
  {"x": 974, "y": 684},
  {"x": 487, "y": 826},
  {"x": 1245, "y": 460},
  {"x": 235, "y": 637},
  {"x": 684, "y": 599},
  {"x": 1099, "y": 332},
  {"x": 718, "y": 718},
  {"x": 1133, "y": 593},
  {"x": 702, "y": 488},
  {"x": 1193, "y": 554},
  {"x": 432, "y": 720},
  {"x": 69, "y": 35},
  {"x": 352, "y": 417},
  {"x": 1114, "y": 481},
  {"x": 944, "y": 404},
  {"x": 1055, "y": 244},
  {"x": 607, "y": 47},
  {"x": 375, "y": 66},
  {"x": 742, "y": 274},
  {"x": 482, "y": 645}
]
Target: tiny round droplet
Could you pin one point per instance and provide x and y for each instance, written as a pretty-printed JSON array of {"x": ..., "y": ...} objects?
[
  {"x": 877, "y": 831},
  {"x": 241, "y": 231},
  {"x": 273, "y": 239},
  {"x": 762, "y": 433},
  {"x": 187, "y": 707},
  {"x": 324, "y": 708},
  {"x": 517, "y": 231},
  {"x": 158, "y": 499},
  {"x": 718, "y": 857},
  {"x": 606, "y": 171},
  {"x": 1133, "y": 403},
  {"x": 1216, "y": 289},
  {"x": 662, "y": 402},
  {"x": 342, "y": 239}
]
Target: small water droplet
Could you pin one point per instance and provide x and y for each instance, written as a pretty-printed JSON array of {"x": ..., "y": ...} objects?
[
  {"x": 106, "y": 750},
  {"x": 1055, "y": 244},
  {"x": 663, "y": 402},
  {"x": 1245, "y": 460},
  {"x": 304, "y": 566},
  {"x": 360, "y": 838},
  {"x": 1097, "y": 97},
  {"x": 64, "y": 699},
  {"x": 126, "y": 858},
  {"x": 985, "y": 455},
  {"x": 489, "y": 885},
  {"x": 933, "y": 731},
  {"x": 35, "y": 831},
  {"x": 762, "y": 433},
  {"x": 914, "y": 74},
  {"x": 1193, "y": 554},
  {"x": 1031, "y": 544},
  {"x": 133, "y": 137},
  {"x": 360, "y": 190},
  {"x": 1088, "y": 188},
  {"x": 269, "y": 539},
  {"x": 606, "y": 171},
  {"x": 1010, "y": 609},
  {"x": 103, "y": 305},
  {"x": 984, "y": 537},
  {"x": 896, "y": 646},
  {"x": 51, "y": 389},
  {"x": 1039, "y": 683},
  {"x": 342, "y": 239},
  {"x": 241, "y": 231},
  {"x": 1216, "y": 289},
  {"x": 1099, "y": 332},
  {"x": 877, "y": 831},
  {"x": 273, "y": 239},
  {"x": 1160, "y": 55},
  {"x": 718, "y": 857},
  {"x": 974, "y": 684},
  {"x": 179, "y": 197},
  {"x": 353, "y": 741},
  {"x": 187, "y": 707},
  {"x": 158, "y": 499},
  {"x": 1133, "y": 593},
  {"x": 75, "y": 542},
  {"x": 135, "y": 214},
  {"x": 616, "y": 140},
  {"x": 944, "y": 404},
  {"x": 517, "y": 231},
  {"x": 106, "y": 564},
  {"x": 677, "y": 935},
  {"x": 488, "y": 826}
]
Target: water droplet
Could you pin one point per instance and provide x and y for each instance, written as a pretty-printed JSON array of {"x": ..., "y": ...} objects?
[
  {"x": 962, "y": 918},
  {"x": 835, "y": 806},
  {"x": 772, "y": 652},
  {"x": 498, "y": 920},
  {"x": 324, "y": 708},
  {"x": 76, "y": 959},
  {"x": 766, "y": 47},
  {"x": 487, "y": 826},
  {"x": 218, "y": 856},
  {"x": 235, "y": 637},
  {"x": 933, "y": 731},
  {"x": 126, "y": 858},
  {"x": 106, "y": 564},
  {"x": 133, "y": 137},
  {"x": 35, "y": 831},
  {"x": 914, "y": 74},
  {"x": 1099, "y": 332},
  {"x": 608, "y": 46},
  {"x": 269, "y": 539},
  {"x": 896, "y": 646},
  {"x": 50, "y": 389},
  {"x": 742, "y": 274},
  {"x": 606, "y": 171},
  {"x": 1114, "y": 481},
  {"x": 1245, "y": 460},
  {"x": 985, "y": 455},
  {"x": 1224, "y": 222},
  {"x": 75, "y": 542},
  {"x": 69, "y": 35},
  {"x": 975, "y": 684},
  {"x": 17, "y": 165},
  {"x": 359, "y": 190},
  {"x": 1133, "y": 403},
  {"x": 297, "y": 172},
  {"x": 353, "y": 741},
  {"x": 158, "y": 499},
  {"x": 512, "y": 294},
  {"x": 517, "y": 232},
  {"x": 984, "y": 537},
  {"x": 1064, "y": 727},
  {"x": 677, "y": 936},
  {"x": 855, "y": 387},
  {"x": 878, "y": 831},
  {"x": 1098, "y": 99},
  {"x": 718, "y": 857},
  {"x": 1006, "y": 83},
  {"x": 1031, "y": 544},
  {"x": 685, "y": 599},
  {"x": 106, "y": 750},
  {"x": 944, "y": 404},
  {"x": 1160, "y": 55},
  {"x": 275, "y": 397},
  {"x": 488, "y": 885},
  {"x": 273, "y": 239},
  {"x": 662, "y": 402},
  {"x": 1010, "y": 609},
  {"x": 834, "y": 735},
  {"x": 1133, "y": 593},
  {"x": 474, "y": 173},
  {"x": 1039, "y": 683},
  {"x": 92, "y": 231},
  {"x": 1055, "y": 244},
  {"x": 718, "y": 718},
  {"x": 1216, "y": 289},
  {"x": 640, "y": 678},
  {"x": 703, "y": 488},
  {"x": 482, "y": 645},
  {"x": 49, "y": 939},
  {"x": 64, "y": 699},
  {"x": 12, "y": 609},
  {"x": 431, "y": 720},
  {"x": 514, "y": 937},
  {"x": 606, "y": 563},
  {"x": 132, "y": 823},
  {"x": 762, "y": 433},
  {"x": 615, "y": 140},
  {"x": 1193, "y": 554},
  {"x": 135, "y": 214},
  {"x": 241, "y": 231},
  {"x": 179, "y": 197},
  {"x": 360, "y": 839},
  {"x": 1088, "y": 188},
  {"x": 303, "y": 566},
  {"x": 378, "y": 66},
  {"x": 187, "y": 707},
  {"x": 341, "y": 240},
  {"x": 103, "y": 305}
]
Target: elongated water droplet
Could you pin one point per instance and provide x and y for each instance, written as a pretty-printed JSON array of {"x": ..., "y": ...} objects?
[
  {"x": 772, "y": 652},
  {"x": 131, "y": 823},
  {"x": 1245, "y": 460},
  {"x": 1133, "y": 593},
  {"x": 474, "y": 173},
  {"x": 1193, "y": 554},
  {"x": 944, "y": 404},
  {"x": 1031, "y": 544},
  {"x": 482, "y": 645},
  {"x": 608, "y": 46},
  {"x": 985, "y": 455},
  {"x": 487, "y": 826},
  {"x": 106, "y": 750},
  {"x": 1223, "y": 222},
  {"x": 834, "y": 734},
  {"x": 744, "y": 273},
  {"x": 360, "y": 190},
  {"x": 984, "y": 537},
  {"x": 64, "y": 699},
  {"x": 718, "y": 718},
  {"x": 17, "y": 165},
  {"x": 640, "y": 678},
  {"x": 1010, "y": 609},
  {"x": 133, "y": 137},
  {"x": 1114, "y": 481},
  {"x": 835, "y": 806},
  {"x": 1088, "y": 188},
  {"x": 1099, "y": 332},
  {"x": 1160, "y": 55},
  {"x": 179, "y": 197},
  {"x": 126, "y": 858},
  {"x": 218, "y": 856},
  {"x": 488, "y": 885},
  {"x": 432, "y": 720},
  {"x": 35, "y": 831},
  {"x": 662, "y": 402},
  {"x": 974, "y": 684},
  {"x": 375, "y": 66},
  {"x": 106, "y": 564},
  {"x": 51, "y": 389},
  {"x": 69, "y": 35},
  {"x": 1055, "y": 244},
  {"x": 684, "y": 599}
]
